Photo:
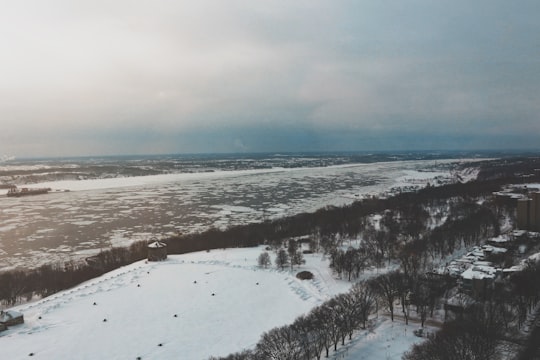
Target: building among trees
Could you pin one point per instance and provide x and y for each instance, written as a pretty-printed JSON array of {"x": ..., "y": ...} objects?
[
  {"x": 528, "y": 212},
  {"x": 478, "y": 279},
  {"x": 157, "y": 251},
  {"x": 10, "y": 318}
]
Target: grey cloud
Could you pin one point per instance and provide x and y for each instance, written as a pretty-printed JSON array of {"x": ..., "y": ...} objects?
[{"x": 97, "y": 76}]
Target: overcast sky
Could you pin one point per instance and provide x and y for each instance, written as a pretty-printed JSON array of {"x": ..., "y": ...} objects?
[{"x": 92, "y": 77}]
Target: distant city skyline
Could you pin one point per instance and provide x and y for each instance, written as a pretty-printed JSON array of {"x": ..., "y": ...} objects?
[{"x": 139, "y": 77}]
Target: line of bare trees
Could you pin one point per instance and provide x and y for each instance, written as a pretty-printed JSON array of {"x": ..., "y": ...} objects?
[{"x": 23, "y": 284}]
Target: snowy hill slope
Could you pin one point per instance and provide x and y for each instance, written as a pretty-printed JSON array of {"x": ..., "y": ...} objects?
[{"x": 190, "y": 307}]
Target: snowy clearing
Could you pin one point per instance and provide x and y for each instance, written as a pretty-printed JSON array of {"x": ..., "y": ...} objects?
[
  {"x": 195, "y": 306},
  {"x": 190, "y": 306}
]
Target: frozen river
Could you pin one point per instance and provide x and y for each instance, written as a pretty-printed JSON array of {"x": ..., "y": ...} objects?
[{"x": 103, "y": 212}]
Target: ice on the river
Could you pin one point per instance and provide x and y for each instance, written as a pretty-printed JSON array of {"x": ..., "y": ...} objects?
[{"x": 99, "y": 213}]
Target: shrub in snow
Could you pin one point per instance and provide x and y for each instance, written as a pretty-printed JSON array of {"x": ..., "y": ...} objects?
[{"x": 304, "y": 275}]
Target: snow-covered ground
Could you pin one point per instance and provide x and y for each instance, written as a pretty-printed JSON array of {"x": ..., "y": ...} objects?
[
  {"x": 383, "y": 340},
  {"x": 190, "y": 306}
]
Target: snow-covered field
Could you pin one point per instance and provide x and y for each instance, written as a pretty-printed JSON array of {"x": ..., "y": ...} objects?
[{"x": 190, "y": 306}]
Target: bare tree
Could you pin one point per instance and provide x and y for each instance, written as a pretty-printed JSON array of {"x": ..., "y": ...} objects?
[
  {"x": 13, "y": 286},
  {"x": 363, "y": 301},
  {"x": 335, "y": 320},
  {"x": 386, "y": 288},
  {"x": 295, "y": 254},
  {"x": 280, "y": 343},
  {"x": 421, "y": 299},
  {"x": 350, "y": 259},
  {"x": 337, "y": 261},
  {"x": 403, "y": 284},
  {"x": 264, "y": 259},
  {"x": 305, "y": 327},
  {"x": 322, "y": 321},
  {"x": 377, "y": 243},
  {"x": 282, "y": 259},
  {"x": 314, "y": 244},
  {"x": 350, "y": 316}
]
